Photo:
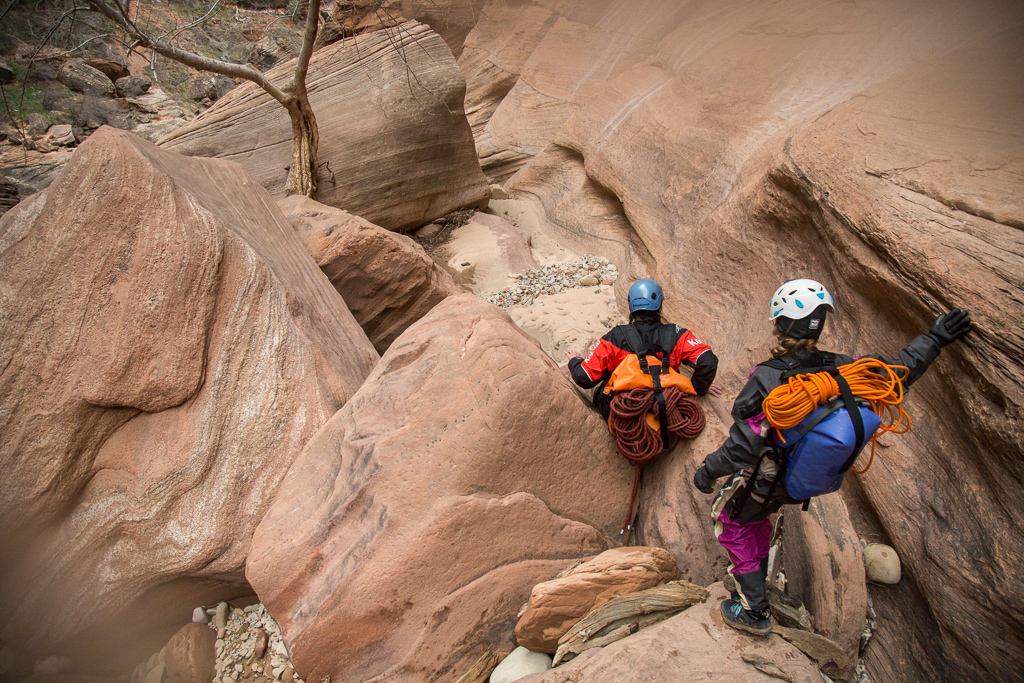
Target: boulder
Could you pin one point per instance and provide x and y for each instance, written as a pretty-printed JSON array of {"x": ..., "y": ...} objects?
[
  {"x": 9, "y": 194},
  {"x": 60, "y": 135},
  {"x": 37, "y": 124},
  {"x": 881, "y": 563},
  {"x": 825, "y": 571},
  {"x": 694, "y": 645},
  {"x": 520, "y": 662},
  {"x": 202, "y": 88},
  {"x": 108, "y": 67},
  {"x": 6, "y": 73},
  {"x": 132, "y": 86},
  {"x": 79, "y": 76},
  {"x": 726, "y": 148},
  {"x": 556, "y": 605},
  {"x": 395, "y": 146},
  {"x": 157, "y": 102},
  {"x": 190, "y": 655},
  {"x": 169, "y": 347},
  {"x": 386, "y": 279},
  {"x": 415, "y": 524}
]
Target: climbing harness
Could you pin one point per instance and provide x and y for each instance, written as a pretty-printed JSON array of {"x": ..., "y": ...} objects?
[{"x": 650, "y": 402}]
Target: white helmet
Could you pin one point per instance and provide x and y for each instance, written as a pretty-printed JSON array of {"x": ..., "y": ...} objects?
[{"x": 797, "y": 299}]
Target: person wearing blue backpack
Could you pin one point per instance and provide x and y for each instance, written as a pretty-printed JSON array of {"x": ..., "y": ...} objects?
[{"x": 756, "y": 464}]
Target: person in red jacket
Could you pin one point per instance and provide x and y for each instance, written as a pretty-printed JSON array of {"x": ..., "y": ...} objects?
[{"x": 645, "y": 299}]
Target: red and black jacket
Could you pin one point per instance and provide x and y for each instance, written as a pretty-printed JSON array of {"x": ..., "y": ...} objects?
[{"x": 614, "y": 347}]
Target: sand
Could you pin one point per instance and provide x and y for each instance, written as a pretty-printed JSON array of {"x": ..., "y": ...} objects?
[
  {"x": 483, "y": 252},
  {"x": 574, "y": 319}
]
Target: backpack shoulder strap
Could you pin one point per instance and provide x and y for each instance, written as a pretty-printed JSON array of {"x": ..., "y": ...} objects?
[
  {"x": 785, "y": 364},
  {"x": 668, "y": 337},
  {"x": 636, "y": 344}
]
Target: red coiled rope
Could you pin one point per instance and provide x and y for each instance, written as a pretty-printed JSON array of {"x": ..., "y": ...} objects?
[{"x": 637, "y": 440}]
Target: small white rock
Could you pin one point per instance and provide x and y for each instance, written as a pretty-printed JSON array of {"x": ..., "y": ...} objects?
[
  {"x": 882, "y": 564},
  {"x": 51, "y": 666},
  {"x": 520, "y": 663},
  {"x": 199, "y": 616}
]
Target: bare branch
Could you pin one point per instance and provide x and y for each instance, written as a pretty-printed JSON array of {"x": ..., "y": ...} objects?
[
  {"x": 79, "y": 47},
  {"x": 302, "y": 64},
  {"x": 190, "y": 59},
  {"x": 179, "y": 29}
]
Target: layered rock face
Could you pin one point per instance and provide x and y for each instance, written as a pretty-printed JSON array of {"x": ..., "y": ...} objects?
[
  {"x": 693, "y": 645},
  {"x": 395, "y": 146},
  {"x": 725, "y": 147},
  {"x": 386, "y": 279},
  {"x": 169, "y": 346},
  {"x": 417, "y": 521},
  {"x": 556, "y": 605}
]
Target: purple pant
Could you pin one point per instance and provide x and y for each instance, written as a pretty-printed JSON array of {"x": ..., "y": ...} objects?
[{"x": 747, "y": 544}]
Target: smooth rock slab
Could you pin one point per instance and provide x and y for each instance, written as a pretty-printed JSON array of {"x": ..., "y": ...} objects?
[
  {"x": 169, "y": 346},
  {"x": 386, "y": 279},
  {"x": 395, "y": 144},
  {"x": 408, "y": 534}
]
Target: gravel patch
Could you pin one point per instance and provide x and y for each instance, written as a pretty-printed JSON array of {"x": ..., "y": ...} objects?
[{"x": 587, "y": 271}]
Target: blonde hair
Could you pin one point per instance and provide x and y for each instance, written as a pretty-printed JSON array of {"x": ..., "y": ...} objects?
[{"x": 790, "y": 346}]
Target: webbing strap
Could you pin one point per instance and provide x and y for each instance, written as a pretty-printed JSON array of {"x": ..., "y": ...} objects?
[
  {"x": 659, "y": 397},
  {"x": 853, "y": 409}
]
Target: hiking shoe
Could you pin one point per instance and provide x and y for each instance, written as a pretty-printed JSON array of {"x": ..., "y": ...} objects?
[{"x": 739, "y": 618}]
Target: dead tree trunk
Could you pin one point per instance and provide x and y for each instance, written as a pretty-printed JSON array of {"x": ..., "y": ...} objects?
[{"x": 305, "y": 138}]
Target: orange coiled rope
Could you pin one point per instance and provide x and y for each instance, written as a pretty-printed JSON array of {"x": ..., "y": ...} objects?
[
  {"x": 870, "y": 379},
  {"x": 637, "y": 440}
]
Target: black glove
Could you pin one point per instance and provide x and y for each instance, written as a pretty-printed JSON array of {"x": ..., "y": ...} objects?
[
  {"x": 951, "y": 326},
  {"x": 704, "y": 482}
]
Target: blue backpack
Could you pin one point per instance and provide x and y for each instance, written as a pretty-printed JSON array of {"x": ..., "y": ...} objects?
[{"x": 819, "y": 450}]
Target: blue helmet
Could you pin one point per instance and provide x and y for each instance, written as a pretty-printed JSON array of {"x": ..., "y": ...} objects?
[{"x": 645, "y": 295}]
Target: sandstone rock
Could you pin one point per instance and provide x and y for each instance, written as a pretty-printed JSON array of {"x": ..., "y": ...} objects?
[
  {"x": 473, "y": 246},
  {"x": 825, "y": 571},
  {"x": 446, "y": 489},
  {"x": 79, "y": 76},
  {"x": 6, "y": 73},
  {"x": 185, "y": 346},
  {"x": 9, "y": 194},
  {"x": 109, "y": 68},
  {"x": 157, "y": 102},
  {"x": 37, "y": 124},
  {"x": 199, "y": 616},
  {"x": 132, "y": 86},
  {"x": 521, "y": 662},
  {"x": 882, "y": 564},
  {"x": 695, "y": 645},
  {"x": 394, "y": 142},
  {"x": 157, "y": 129},
  {"x": 52, "y": 665},
  {"x": 498, "y": 192},
  {"x": 156, "y": 674},
  {"x": 203, "y": 87},
  {"x": 660, "y": 138},
  {"x": 556, "y": 605},
  {"x": 429, "y": 231},
  {"x": 60, "y": 135},
  {"x": 190, "y": 655},
  {"x": 386, "y": 279}
]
